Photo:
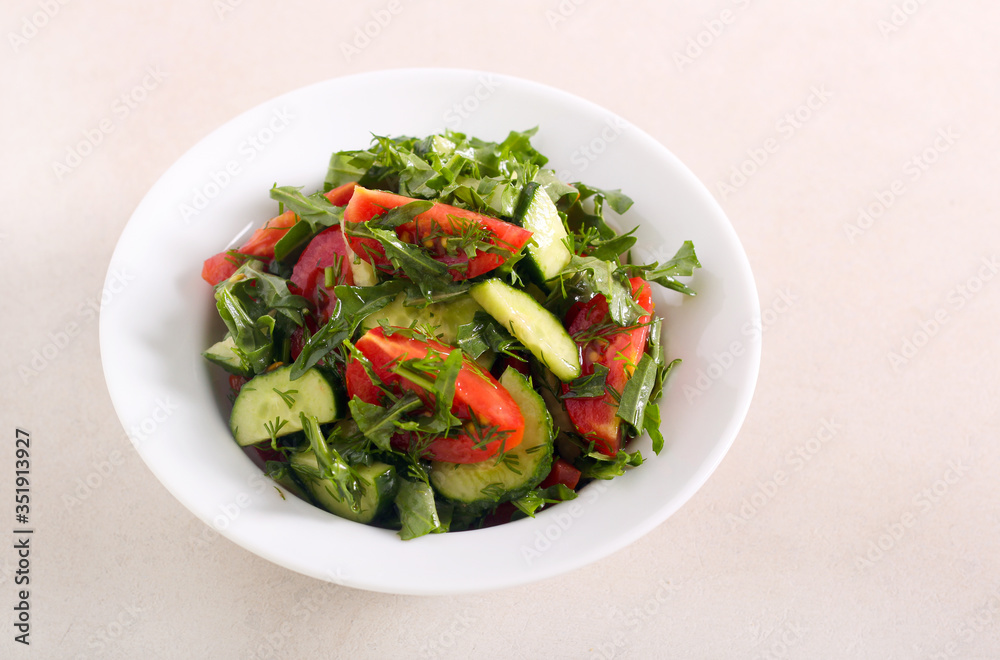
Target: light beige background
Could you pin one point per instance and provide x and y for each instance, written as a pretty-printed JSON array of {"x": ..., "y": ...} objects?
[{"x": 777, "y": 556}]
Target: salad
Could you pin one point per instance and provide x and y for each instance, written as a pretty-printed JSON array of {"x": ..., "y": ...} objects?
[{"x": 445, "y": 337}]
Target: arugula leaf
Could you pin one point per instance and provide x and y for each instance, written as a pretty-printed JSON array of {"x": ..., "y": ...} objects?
[
  {"x": 246, "y": 302},
  {"x": 253, "y": 343},
  {"x": 358, "y": 302},
  {"x": 610, "y": 249},
  {"x": 270, "y": 291},
  {"x": 651, "y": 425},
  {"x": 378, "y": 423},
  {"x": 418, "y": 513},
  {"x": 607, "y": 278},
  {"x": 332, "y": 467},
  {"x": 598, "y": 466},
  {"x": 589, "y": 385},
  {"x": 531, "y": 501},
  {"x": 637, "y": 390},
  {"x": 682, "y": 264},
  {"x": 484, "y": 333},
  {"x": 415, "y": 262},
  {"x": 437, "y": 376},
  {"x": 561, "y": 193},
  {"x": 346, "y": 167},
  {"x": 314, "y": 209},
  {"x": 618, "y": 201},
  {"x": 326, "y": 339}
]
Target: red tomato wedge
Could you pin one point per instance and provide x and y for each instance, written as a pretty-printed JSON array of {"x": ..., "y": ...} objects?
[
  {"x": 340, "y": 195},
  {"x": 477, "y": 394},
  {"x": 619, "y": 349},
  {"x": 430, "y": 229},
  {"x": 327, "y": 249},
  {"x": 561, "y": 473},
  {"x": 219, "y": 267},
  {"x": 261, "y": 244}
]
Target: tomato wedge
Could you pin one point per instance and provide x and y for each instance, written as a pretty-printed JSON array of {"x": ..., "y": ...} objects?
[
  {"x": 219, "y": 267},
  {"x": 328, "y": 249},
  {"x": 480, "y": 401},
  {"x": 618, "y": 349},
  {"x": 431, "y": 229},
  {"x": 341, "y": 195},
  {"x": 261, "y": 244},
  {"x": 561, "y": 473}
]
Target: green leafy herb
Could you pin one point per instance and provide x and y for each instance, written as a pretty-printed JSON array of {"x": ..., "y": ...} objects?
[
  {"x": 589, "y": 385},
  {"x": 683, "y": 264},
  {"x": 332, "y": 467},
  {"x": 379, "y": 423},
  {"x": 484, "y": 333},
  {"x": 533, "y": 500},
  {"x": 417, "y": 511},
  {"x": 597, "y": 276},
  {"x": 598, "y": 466},
  {"x": 635, "y": 395}
]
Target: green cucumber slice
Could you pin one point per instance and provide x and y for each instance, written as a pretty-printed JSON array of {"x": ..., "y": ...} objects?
[
  {"x": 533, "y": 325},
  {"x": 441, "y": 319},
  {"x": 222, "y": 354},
  {"x": 378, "y": 481},
  {"x": 546, "y": 254},
  {"x": 273, "y": 401},
  {"x": 480, "y": 486}
]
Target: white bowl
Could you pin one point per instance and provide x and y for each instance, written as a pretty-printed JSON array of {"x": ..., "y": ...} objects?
[{"x": 159, "y": 316}]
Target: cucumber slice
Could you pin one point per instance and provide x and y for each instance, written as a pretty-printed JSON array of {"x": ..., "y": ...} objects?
[
  {"x": 440, "y": 319},
  {"x": 272, "y": 398},
  {"x": 546, "y": 255},
  {"x": 379, "y": 484},
  {"x": 480, "y": 486},
  {"x": 222, "y": 354},
  {"x": 533, "y": 325}
]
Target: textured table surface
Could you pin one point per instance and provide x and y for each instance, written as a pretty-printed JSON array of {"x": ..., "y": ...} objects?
[{"x": 854, "y": 146}]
